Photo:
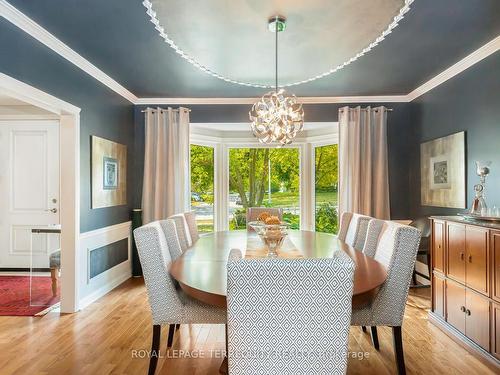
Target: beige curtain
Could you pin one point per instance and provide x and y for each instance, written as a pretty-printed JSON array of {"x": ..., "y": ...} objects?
[
  {"x": 166, "y": 185},
  {"x": 363, "y": 169}
]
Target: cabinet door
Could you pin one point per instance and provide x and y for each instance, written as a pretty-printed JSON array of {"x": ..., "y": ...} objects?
[
  {"x": 455, "y": 238},
  {"x": 438, "y": 285},
  {"x": 495, "y": 329},
  {"x": 476, "y": 254},
  {"x": 477, "y": 321},
  {"x": 495, "y": 264},
  {"x": 455, "y": 305},
  {"x": 438, "y": 245}
]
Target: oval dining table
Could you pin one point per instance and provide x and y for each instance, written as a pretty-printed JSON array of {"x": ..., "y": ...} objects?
[{"x": 201, "y": 270}]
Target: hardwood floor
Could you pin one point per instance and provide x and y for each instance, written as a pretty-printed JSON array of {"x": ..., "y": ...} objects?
[{"x": 110, "y": 335}]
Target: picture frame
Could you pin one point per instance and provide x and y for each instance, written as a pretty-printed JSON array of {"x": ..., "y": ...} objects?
[
  {"x": 442, "y": 175},
  {"x": 109, "y": 173}
]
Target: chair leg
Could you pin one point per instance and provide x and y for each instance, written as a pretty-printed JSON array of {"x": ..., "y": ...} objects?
[
  {"x": 54, "y": 276},
  {"x": 177, "y": 326},
  {"x": 363, "y": 328},
  {"x": 398, "y": 349},
  {"x": 414, "y": 278},
  {"x": 374, "y": 333},
  {"x": 155, "y": 349},
  {"x": 171, "y": 331}
]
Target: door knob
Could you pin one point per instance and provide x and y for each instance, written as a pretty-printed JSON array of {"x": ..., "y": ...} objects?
[
  {"x": 462, "y": 308},
  {"x": 467, "y": 312},
  {"x": 53, "y": 210}
]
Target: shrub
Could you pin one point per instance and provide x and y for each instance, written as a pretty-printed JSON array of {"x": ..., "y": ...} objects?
[{"x": 327, "y": 218}]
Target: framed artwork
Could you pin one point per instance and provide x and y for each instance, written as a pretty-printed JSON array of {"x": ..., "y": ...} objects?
[
  {"x": 109, "y": 173},
  {"x": 442, "y": 171}
]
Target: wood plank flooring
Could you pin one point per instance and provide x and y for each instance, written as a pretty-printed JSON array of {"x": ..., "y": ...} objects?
[{"x": 111, "y": 335}]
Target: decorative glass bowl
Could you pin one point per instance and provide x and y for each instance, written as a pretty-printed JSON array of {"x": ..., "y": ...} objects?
[{"x": 272, "y": 235}]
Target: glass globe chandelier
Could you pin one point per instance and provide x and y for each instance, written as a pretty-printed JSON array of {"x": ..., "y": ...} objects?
[{"x": 278, "y": 116}]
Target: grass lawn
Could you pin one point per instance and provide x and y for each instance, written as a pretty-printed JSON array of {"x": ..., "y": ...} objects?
[{"x": 292, "y": 199}]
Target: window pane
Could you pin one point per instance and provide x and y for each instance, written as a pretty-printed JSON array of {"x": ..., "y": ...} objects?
[
  {"x": 263, "y": 177},
  {"x": 326, "y": 185},
  {"x": 202, "y": 186}
]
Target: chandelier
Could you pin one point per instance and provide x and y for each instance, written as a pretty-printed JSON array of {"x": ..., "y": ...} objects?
[{"x": 278, "y": 116}]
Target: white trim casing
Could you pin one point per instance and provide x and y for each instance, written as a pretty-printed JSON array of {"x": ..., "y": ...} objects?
[
  {"x": 29, "y": 26},
  {"x": 13, "y": 15},
  {"x": 69, "y": 123}
]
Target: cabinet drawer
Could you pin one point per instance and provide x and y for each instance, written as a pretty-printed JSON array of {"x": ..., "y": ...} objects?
[
  {"x": 495, "y": 264},
  {"x": 495, "y": 329},
  {"x": 476, "y": 252},
  {"x": 438, "y": 289},
  {"x": 477, "y": 321},
  {"x": 455, "y": 254},
  {"x": 438, "y": 245},
  {"x": 455, "y": 305}
]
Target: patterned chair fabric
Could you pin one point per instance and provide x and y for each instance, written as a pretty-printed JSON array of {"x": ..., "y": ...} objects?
[
  {"x": 356, "y": 232},
  {"x": 345, "y": 219},
  {"x": 372, "y": 236},
  {"x": 182, "y": 231},
  {"x": 192, "y": 226},
  {"x": 168, "y": 306},
  {"x": 289, "y": 316},
  {"x": 397, "y": 251},
  {"x": 170, "y": 232},
  {"x": 254, "y": 212}
]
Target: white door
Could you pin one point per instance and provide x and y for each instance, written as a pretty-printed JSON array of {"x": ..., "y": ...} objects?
[{"x": 29, "y": 191}]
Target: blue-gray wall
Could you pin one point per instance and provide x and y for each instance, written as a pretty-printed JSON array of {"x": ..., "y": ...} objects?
[
  {"x": 103, "y": 112},
  {"x": 469, "y": 102},
  {"x": 399, "y": 131}
]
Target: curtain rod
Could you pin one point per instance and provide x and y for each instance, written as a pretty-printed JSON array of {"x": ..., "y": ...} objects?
[
  {"x": 163, "y": 109},
  {"x": 373, "y": 109}
]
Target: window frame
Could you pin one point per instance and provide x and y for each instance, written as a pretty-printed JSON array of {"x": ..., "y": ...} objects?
[{"x": 307, "y": 189}]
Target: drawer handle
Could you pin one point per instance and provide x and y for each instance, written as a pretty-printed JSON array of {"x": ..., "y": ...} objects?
[
  {"x": 470, "y": 258},
  {"x": 462, "y": 308},
  {"x": 461, "y": 256},
  {"x": 467, "y": 312}
]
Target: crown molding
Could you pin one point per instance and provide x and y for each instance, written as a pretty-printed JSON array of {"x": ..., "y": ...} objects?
[
  {"x": 29, "y": 26},
  {"x": 457, "y": 68},
  {"x": 250, "y": 101},
  {"x": 19, "y": 19}
]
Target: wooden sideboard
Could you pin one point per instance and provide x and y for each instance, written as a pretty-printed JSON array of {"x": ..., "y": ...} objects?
[{"x": 466, "y": 283}]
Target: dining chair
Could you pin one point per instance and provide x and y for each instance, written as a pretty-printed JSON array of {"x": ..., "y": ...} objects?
[
  {"x": 353, "y": 229},
  {"x": 397, "y": 250},
  {"x": 168, "y": 304},
  {"x": 254, "y": 212},
  {"x": 182, "y": 231},
  {"x": 289, "y": 316},
  {"x": 192, "y": 226},
  {"x": 172, "y": 238}
]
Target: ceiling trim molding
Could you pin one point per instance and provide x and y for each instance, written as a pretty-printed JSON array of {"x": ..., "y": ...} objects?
[
  {"x": 457, "y": 68},
  {"x": 250, "y": 101},
  {"x": 19, "y": 19},
  {"x": 22, "y": 21}
]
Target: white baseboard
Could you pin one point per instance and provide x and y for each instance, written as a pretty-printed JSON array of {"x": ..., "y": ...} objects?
[
  {"x": 92, "y": 289},
  {"x": 110, "y": 285}
]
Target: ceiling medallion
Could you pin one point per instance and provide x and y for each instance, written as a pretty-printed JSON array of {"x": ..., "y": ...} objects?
[
  {"x": 161, "y": 30},
  {"x": 277, "y": 117}
]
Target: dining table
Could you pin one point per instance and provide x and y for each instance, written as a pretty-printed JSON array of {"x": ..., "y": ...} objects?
[{"x": 201, "y": 270}]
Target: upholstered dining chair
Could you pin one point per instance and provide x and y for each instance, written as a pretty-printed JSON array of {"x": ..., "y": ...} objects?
[
  {"x": 353, "y": 229},
  {"x": 182, "y": 231},
  {"x": 397, "y": 250},
  {"x": 168, "y": 304},
  {"x": 172, "y": 238},
  {"x": 192, "y": 226},
  {"x": 254, "y": 212},
  {"x": 279, "y": 309}
]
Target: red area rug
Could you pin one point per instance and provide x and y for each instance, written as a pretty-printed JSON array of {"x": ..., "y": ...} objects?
[{"x": 15, "y": 295}]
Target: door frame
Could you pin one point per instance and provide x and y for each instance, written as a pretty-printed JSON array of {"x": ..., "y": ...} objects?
[{"x": 69, "y": 139}]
